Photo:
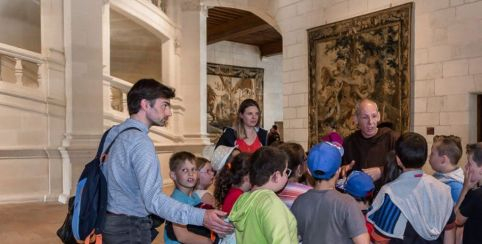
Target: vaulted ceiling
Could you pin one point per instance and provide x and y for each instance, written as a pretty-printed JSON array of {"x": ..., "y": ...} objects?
[{"x": 228, "y": 24}]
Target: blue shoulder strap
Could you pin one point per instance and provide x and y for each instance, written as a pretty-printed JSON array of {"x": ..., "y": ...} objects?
[
  {"x": 99, "y": 151},
  {"x": 101, "y": 143}
]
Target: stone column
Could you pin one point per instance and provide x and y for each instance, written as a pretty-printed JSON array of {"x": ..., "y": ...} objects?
[
  {"x": 84, "y": 23},
  {"x": 193, "y": 74},
  {"x": 87, "y": 63},
  {"x": 52, "y": 84},
  {"x": 106, "y": 37}
]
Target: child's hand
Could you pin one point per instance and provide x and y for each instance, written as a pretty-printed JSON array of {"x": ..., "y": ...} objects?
[{"x": 469, "y": 181}]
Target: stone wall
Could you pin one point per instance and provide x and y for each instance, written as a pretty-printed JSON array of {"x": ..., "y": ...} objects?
[
  {"x": 20, "y": 24},
  {"x": 447, "y": 51}
]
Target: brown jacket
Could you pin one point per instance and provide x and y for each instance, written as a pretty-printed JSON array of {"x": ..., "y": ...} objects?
[{"x": 369, "y": 152}]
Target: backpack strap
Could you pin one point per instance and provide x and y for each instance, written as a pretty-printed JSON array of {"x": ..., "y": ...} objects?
[
  {"x": 106, "y": 152},
  {"x": 101, "y": 143}
]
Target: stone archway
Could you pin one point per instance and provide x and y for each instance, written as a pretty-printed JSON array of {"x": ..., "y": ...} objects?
[{"x": 257, "y": 7}]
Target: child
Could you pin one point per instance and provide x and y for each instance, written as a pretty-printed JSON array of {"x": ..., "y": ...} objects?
[
  {"x": 184, "y": 173},
  {"x": 206, "y": 177},
  {"x": 325, "y": 215},
  {"x": 296, "y": 160},
  {"x": 391, "y": 171},
  {"x": 329, "y": 128},
  {"x": 446, "y": 153},
  {"x": 469, "y": 212},
  {"x": 360, "y": 186},
  {"x": 415, "y": 207},
  {"x": 232, "y": 181},
  {"x": 259, "y": 216}
]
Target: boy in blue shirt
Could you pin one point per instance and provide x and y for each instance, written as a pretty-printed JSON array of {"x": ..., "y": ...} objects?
[
  {"x": 184, "y": 173},
  {"x": 446, "y": 153}
]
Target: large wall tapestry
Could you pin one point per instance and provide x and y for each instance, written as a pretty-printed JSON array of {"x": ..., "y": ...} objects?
[
  {"x": 227, "y": 87},
  {"x": 363, "y": 57}
]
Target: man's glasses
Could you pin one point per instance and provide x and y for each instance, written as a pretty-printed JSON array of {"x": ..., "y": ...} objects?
[{"x": 208, "y": 171}]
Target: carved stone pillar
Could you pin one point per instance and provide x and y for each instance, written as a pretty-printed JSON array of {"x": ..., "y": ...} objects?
[
  {"x": 193, "y": 76},
  {"x": 52, "y": 82},
  {"x": 84, "y": 23}
]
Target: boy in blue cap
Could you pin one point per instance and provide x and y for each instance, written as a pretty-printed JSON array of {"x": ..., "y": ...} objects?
[
  {"x": 360, "y": 186},
  {"x": 325, "y": 215}
]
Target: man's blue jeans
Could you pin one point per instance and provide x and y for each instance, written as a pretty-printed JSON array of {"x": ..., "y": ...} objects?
[{"x": 120, "y": 228}]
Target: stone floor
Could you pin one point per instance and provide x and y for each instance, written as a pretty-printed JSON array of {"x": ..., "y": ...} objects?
[{"x": 35, "y": 223}]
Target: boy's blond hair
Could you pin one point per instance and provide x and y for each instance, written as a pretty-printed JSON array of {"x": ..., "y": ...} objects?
[{"x": 450, "y": 146}]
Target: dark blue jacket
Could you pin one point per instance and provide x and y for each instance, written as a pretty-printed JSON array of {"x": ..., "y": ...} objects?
[{"x": 228, "y": 138}]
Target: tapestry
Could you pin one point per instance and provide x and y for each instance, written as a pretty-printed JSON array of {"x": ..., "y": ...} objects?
[
  {"x": 227, "y": 87},
  {"x": 363, "y": 57}
]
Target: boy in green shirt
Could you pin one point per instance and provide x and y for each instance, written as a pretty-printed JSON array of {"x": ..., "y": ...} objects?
[{"x": 259, "y": 216}]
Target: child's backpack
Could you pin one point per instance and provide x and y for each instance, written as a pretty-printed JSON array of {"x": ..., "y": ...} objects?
[{"x": 90, "y": 202}]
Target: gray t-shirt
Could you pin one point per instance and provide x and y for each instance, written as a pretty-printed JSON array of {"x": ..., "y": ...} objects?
[{"x": 328, "y": 216}]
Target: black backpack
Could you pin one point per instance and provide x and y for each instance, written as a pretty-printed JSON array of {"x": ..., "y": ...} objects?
[{"x": 85, "y": 218}]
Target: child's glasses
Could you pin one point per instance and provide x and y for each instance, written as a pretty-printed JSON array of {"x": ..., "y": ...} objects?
[
  {"x": 208, "y": 171},
  {"x": 288, "y": 172}
]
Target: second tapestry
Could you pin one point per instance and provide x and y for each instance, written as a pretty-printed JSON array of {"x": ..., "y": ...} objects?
[{"x": 227, "y": 87}]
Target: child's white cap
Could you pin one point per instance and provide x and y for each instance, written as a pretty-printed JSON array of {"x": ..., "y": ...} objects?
[{"x": 220, "y": 156}]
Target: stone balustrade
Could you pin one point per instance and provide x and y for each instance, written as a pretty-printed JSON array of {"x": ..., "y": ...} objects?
[
  {"x": 20, "y": 68},
  {"x": 115, "y": 98}
]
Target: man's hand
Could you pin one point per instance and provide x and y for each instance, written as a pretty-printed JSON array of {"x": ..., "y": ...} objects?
[
  {"x": 213, "y": 221},
  {"x": 346, "y": 168},
  {"x": 374, "y": 172}
]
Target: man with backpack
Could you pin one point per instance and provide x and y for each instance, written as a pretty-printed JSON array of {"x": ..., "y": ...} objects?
[{"x": 132, "y": 171}]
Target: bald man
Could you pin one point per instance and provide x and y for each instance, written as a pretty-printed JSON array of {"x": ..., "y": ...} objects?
[{"x": 366, "y": 148}]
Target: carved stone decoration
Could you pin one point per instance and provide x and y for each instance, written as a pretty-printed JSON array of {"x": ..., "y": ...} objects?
[
  {"x": 227, "y": 87},
  {"x": 363, "y": 57}
]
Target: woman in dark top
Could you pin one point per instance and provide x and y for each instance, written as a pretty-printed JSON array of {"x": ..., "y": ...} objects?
[{"x": 245, "y": 134}]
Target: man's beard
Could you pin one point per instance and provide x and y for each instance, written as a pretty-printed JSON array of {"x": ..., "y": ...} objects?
[{"x": 161, "y": 123}]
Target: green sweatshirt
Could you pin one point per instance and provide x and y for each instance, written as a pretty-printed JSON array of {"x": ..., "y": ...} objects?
[{"x": 261, "y": 217}]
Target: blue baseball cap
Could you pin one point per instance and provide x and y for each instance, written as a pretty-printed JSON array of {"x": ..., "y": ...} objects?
[
  {"x": 358, "y": 184},
  {"x": 324, "y": 159}
]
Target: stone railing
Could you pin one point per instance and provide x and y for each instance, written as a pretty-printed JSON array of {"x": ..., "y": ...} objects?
[
  {"x": 115, "y": 97},
  {"x": 159, "y": 3},
  {"x": 20, "y": 69}
]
